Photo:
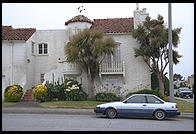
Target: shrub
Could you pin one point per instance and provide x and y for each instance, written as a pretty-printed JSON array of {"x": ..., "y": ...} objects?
[
  {"x": 73, "y": 91},
  {"x": 147, "y": 91},
  {"x": 55, "y": 92},
  {"x": 155, "y": 83},
  {"x": 13, "y": 93},
  {"x": 40, "y": 92},
  {"x": 106, "y": 97}
]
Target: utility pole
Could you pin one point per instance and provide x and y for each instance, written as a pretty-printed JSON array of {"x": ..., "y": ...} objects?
[{"x": 171, "y": 86}]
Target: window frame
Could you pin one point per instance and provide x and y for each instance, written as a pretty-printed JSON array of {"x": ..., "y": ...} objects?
[
  {"x": 161, "y": 102},
  {"x": 136, "y": 96},
  {"x": 42, "y": 77},
  {"x": 42, "y": 49}
]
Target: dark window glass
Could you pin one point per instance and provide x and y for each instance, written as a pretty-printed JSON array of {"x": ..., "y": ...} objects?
[
  {"x": 137, "y": 99},
  {"x": 42, "y": 78},
  {"x": 152, "y": 99},
  {"x": 40, "y": 48},
  {"x": 45, "y": 48}
]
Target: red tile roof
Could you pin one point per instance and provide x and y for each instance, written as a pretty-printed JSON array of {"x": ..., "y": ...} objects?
[
  {"x": 9, "y": 33},
  {"x": 79, "y": 18},
  {"x": 113, "y": 25}
]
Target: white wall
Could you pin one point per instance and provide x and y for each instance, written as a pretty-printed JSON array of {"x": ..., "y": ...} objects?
[
  {"x": 13, "y": 63},
  {"x": 137, "y": 73}
]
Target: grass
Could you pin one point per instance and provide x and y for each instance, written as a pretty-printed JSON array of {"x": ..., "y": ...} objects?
[
  {"x": 184, "y": 106},
  {"x": 7, "y": 104},
  {"x": 71, "y": 104}
]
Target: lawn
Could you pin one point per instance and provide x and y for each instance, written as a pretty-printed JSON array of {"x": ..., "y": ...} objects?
[
  {"x": 7, "y": 104},
  {"x": 183, "y": 106},
  {"x": 71, "y": 104}
]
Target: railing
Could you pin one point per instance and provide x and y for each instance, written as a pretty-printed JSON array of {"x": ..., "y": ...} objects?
[
  {"x": 71, "y": 68},
  {"x": 112, "y": 68}
]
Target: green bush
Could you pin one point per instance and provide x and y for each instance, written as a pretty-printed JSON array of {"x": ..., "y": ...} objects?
[
  {"x": 40, "y": 92},
  {"x": 55, "y": 92},
  {"x": 106, "y": 97},
  {"x": 70, "y": 90},
  {"x": 13, "y": 93},
  {"x": 155, "y": 83},
  {"x": 73, "y": 91},
  {"x": 147, "y": 91}
]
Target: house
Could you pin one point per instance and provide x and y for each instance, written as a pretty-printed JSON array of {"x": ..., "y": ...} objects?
[
  {"x": 31, "y": 57},
  {"x": 190, "y": 81}
]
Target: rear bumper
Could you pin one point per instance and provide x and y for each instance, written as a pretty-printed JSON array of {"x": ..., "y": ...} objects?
[{"x": 173, "y": 113}]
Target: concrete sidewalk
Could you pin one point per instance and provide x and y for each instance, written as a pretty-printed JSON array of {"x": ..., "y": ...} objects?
[{"x": 29, "y": 108}]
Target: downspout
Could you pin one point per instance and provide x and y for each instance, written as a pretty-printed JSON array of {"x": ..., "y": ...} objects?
[{"x": 12, "y": 63}]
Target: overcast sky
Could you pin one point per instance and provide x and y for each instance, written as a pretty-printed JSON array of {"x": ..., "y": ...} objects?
[{"x": 54, "y": 15}]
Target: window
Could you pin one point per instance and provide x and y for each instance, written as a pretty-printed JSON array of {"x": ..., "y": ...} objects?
[
  {"x": 32, "y": 47},
  {"x": 152, "y": 99},
  {"x": 43, "y": 48},
  {"x": 42, "y": 78},
  {"x": 137, "y": 99},
  {"x": 114, "y": 58}
]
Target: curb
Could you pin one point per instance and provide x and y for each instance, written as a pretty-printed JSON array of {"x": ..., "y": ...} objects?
[
  {"x": 35, "y": 110},
  {"x": 48, "y": 111}
]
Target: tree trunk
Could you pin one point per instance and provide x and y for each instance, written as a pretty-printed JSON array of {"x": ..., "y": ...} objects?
[
  {"x": 90, "y": 85},
  {"x": 161, "y": 83}
]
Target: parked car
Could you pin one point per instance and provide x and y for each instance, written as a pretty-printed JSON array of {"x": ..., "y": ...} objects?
[
  {"x": 184, "y": 92},
  {"x": 175, "y": 92},
  {"x": 139, "y": 105}
]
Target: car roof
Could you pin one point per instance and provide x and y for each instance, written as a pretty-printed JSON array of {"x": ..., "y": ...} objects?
[{"x": 145, "y": 94}]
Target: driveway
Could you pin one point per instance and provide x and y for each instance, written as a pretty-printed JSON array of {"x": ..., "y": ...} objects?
[{"x": 188, "y": 100}]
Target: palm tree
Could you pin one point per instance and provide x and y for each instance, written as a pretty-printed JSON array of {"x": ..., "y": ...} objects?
[
  {"x": 153, "y": 39},
  {"x": 88, "y": 48}
]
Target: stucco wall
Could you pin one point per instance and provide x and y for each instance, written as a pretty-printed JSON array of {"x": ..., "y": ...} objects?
[
  {"x": 137, "y": 73},
  {"x": 14, "y": 65}
]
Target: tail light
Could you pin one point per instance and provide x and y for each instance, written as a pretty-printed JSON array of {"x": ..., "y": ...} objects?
[{"x": 176, "y": 106}]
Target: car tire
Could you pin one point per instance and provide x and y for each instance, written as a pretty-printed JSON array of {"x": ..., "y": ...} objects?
[
  {"x": 111, "y": 113},
  {"x": 159, "y": 115}
]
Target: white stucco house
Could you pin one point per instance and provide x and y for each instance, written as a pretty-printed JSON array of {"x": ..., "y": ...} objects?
[{"x": 31, "y": 57}]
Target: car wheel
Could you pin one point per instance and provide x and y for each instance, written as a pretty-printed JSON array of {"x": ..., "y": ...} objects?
[
  {"x": 111, "y": 113},
  {"x": 159, "y": 115}
]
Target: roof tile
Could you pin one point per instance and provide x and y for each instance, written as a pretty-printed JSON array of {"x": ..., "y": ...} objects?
[
  {"x": 113, "y": 25},
  {"x": 9, "y": 33}
]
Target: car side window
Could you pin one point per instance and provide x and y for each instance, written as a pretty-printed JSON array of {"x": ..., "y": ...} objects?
[
  {"x": 137, "y": 99},
  {"x": 152, "y": 99}
]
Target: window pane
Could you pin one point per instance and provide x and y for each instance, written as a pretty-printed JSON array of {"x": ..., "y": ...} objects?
[
  {"x": 45, "y": 48},
  {"x": 137, "y": 99},
  {"x": 40, "y": 48},
  {"x": 152, "y": 99},
  {"x": 32, "y": 48},
  {"x": 42, "y": 78}
]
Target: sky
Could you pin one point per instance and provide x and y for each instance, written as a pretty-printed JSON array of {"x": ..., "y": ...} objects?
[{"x": 44, "y": 16}]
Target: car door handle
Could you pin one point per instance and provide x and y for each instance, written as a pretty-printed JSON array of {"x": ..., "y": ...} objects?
[{"x": 144, "y": 104}]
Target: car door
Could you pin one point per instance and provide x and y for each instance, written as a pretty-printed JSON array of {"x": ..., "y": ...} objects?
[
  {"x": 153, "y": 104},
  {"x": 135, "y": 106}
]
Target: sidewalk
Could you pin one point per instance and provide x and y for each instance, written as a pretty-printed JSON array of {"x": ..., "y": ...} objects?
[{"x": 35, "y": 108}]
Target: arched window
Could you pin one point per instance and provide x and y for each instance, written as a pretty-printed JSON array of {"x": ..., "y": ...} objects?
[
  {"x": 116, "y": 57},
  {"x": 42, "y": 48}
]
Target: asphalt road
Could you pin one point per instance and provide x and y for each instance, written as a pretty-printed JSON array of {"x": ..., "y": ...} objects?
[{"x": 55, "y": 122}]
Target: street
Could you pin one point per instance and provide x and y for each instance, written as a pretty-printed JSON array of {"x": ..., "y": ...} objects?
[{"x": 55, "y": 122}]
